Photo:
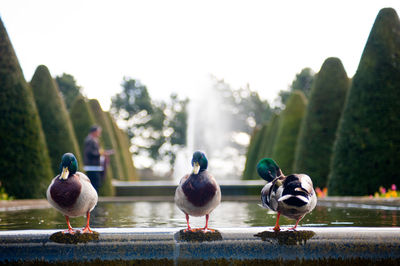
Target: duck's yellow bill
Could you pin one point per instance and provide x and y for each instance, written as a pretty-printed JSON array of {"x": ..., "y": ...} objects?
[
  {"x": 64, "y": 173},
  {"x": 196, "y": 168}
]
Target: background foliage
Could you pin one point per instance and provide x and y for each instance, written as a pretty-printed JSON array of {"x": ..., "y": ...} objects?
[
  {"x": 289, "y": 127},
  {"x": 157, "y": 128},
  {"x": 367, "y": 150},
  {"x": 24, "y": 160},
  {"x": 318, "y": 129},
  {"x": 56, "y": 123}
]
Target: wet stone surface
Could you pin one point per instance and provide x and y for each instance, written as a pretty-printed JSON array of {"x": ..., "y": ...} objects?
[
  {"x": 78, "y": 237},
  {"x": 228, "y": 246},
  {"x": 198, "y": 235},
  {"x": 289, "y": 237}
]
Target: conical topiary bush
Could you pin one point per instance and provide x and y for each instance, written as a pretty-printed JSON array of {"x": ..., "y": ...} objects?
[
  {"x": 126, "y": 144},
  {"x": 269, "y": 138},
  {"x": 118, "y": 151},
  {"x": 289, "y": 127},
  {"x": 107, "y": 141},
  {"x": 108, "y": 137},
  {"x": 252, "y": 152},
  {"x": 367, "y": 150},
  {"x": 56, "y": 123},
  {"x": 24, "y": 160},
  {"x": 82, "y": 119},
  {"x": 122, "y": 150},
  {"x": 318, "y": 129}
]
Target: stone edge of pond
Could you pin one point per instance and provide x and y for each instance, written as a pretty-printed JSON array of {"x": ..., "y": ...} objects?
[{"x": 161, "y": 245}]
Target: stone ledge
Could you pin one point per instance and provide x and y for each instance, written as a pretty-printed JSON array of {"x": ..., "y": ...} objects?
[{"x": 160, "y": 245}]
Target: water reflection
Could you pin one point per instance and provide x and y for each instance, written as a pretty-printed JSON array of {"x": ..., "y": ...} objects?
[{"x": 166, "y": 214}]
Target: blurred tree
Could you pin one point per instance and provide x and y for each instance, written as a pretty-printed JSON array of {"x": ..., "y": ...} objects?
[
  {"x": 158, "y": 129},
  {"x": 302, "y": 82},
  {"x": 318, "y": 129},
  {"x": 24, "y": 159},
  {"x": 367, "y": 149},
  {"x": 56, "y": 122},
  {"x": 68, "y": 87},
  {"x": 243, "y": 106}
]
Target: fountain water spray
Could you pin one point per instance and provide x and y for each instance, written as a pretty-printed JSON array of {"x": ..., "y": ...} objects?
[{"x": 209, "y": 124}]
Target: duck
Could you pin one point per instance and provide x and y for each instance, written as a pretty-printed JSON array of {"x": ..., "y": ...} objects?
[
  {"x": 72, "y": 193},
  {"x": 292, "y": 196},
  {"x": 198, "y": 193}
]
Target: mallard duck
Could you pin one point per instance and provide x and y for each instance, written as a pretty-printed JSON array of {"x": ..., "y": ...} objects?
[
  {"x": 198, "y": 193},
  {"x": 292, "y": 196},
  {"x": 71, "y": 192}
]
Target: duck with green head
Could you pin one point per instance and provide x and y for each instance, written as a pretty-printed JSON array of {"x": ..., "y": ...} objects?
[
  {"x": 292, "y": 196},
  {"x": 198, "y": 193},
  {"x": 71, "y": 192}
]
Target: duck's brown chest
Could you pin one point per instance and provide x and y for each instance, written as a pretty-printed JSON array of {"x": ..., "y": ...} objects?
[{"x": 66, "y": 192}]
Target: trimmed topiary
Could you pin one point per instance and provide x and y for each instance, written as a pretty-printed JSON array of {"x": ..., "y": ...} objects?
[
  {"x": 318, "y": 129},
  {"x": 108, "y": 140},
  {"x": 108, "y": 137},
  {"x": 24, "y": 160},
  {"x": 269, "y": 138},
  {"x": 56, "y": 123},
  {"x": 120, "y": 151},
  {"x": 126, "y": 144},
  {"x": 289, "y": 127},
  {"x": 367, "y": 150},
  {"x": 252, "y": 153},
  {"x": 82, "y": 119}
]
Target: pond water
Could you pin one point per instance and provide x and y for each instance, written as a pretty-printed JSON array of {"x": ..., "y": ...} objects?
[{"x": 143, "y": 214}]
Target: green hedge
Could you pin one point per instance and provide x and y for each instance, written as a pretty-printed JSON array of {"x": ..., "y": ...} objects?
[
  {"x": 268, "y": 142},
  {"x": 82, "y": 119},
  {"x": 56, "y": 123},
  {"x": 289, "y": 127},
  {"x": 107, "y": 139},
  {"x": 367, "y": 150},
  {"x": 24, "y": 160},
  {"x": 122, "y": 151},
  {"x": 318, "y": 129},
  {"x": 126, "y": 144},
  {"x": 252, "y": 153}
]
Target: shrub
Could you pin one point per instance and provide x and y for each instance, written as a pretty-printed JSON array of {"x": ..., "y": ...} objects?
[
  {"x": 126, "y": 144},
  {"x": 367, "y": 150},
  {"x": 268, "y": 142},
  {"x": 82, "y": 119},
  {"x": 252, "y": 153},
  {"x": 318, "y": 129},
  {"x": 56, "y": 123},
  {"x": 122, "y": 151},
  {"x": 108, "y": 140},
  {"x": 289, "y": 126},
  {"x": 24, "y": 160}
]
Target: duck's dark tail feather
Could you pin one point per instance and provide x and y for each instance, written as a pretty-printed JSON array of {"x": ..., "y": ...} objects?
[{"x": 294, "y": 200}]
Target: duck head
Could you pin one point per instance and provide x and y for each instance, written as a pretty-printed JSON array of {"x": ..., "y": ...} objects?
[
  {"x": 68, "y": 166},
  {"x": 268, "y": 169},
  {"x": 199, "y": 162}
]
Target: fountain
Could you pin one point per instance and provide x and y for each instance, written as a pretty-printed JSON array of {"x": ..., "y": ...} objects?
[{"x": 209, "y": 130}]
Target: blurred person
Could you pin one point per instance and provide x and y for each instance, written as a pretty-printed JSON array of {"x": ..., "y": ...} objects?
[{"x": 95, "y": 158}]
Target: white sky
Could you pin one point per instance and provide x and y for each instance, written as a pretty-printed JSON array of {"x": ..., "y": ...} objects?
[{"x": 173, "y": 46}]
